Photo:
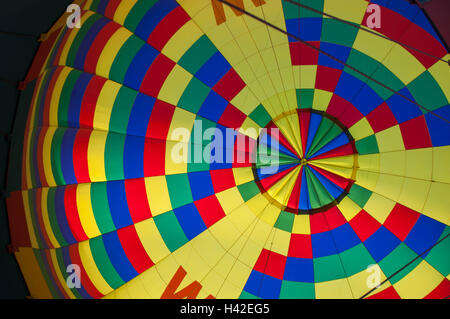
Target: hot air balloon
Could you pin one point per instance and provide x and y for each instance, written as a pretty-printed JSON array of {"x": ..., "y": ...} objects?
[{"x": 346, "y": 196}]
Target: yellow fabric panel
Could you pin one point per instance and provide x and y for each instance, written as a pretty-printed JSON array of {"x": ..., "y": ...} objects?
[
  {"x": 361, "y": 129},
  {"x": 414, "y": 193},
  {"x": 438, "y": 202},
  {"x": 419, "y": 282},
  {"x": 250, "y": 128},
  {"x": 46, "y": 154},
  {"x": 367, "y": 179},
  {"x": 96, "y": 158},
  {"x": 371, "y": 45},
  {"x": 91, "y": 268},
  {"x": 182, "y": 41},
  {"x": 301, "y": 225},
  {"x": 441, "y": 73},
  {"x": 175, "y": 85},
  {"x": 441, "y": 158},
  {"x": 151, "y": 239},
  {"x": 31, "y": 233},
  {"x": 280, "y": 242},
  {"x": 208, "y": 248},
  {"x": 348, "y": 208},
  {"x": 393, "y": 163},
  {"x": 250, "y": 253},
  {"x": 191, "y": 261},
  {"x": 352, "y": 11},
  {"x": 369, "y": 162},
  {"x": 359, "y": 285},
  {"x": 110, "y": 51},
  {"x": 158, "y": 195},
  {"x": 379, "y": 207},
  {"x": 389, "y": 186},
  {"x": 225, "y": 232},
  {"x": 335, "y": 289},
  {"x": 403, "y": 64},
  {"x": 36, "y": 283},
  {"x": 45, "y": 217},
  {"x": 390, "y": 140},
  {"x": 56, "y": 95},
  {"x": 123, "y": 10},
  {"x": 242, "y": 175},
  {"x": 71, "y": 38},
  {"x": 321, "y": 99},
  {"x": 305, "y": 76},
  {"x": 245, "y": 101},
  {"x": 230, "y": 199},
  {"x": 176, "y": 160},
  {"x": 61, "y": 277},
  {"x": 105, "y": 104},
  {"x": 419, "y": 163},
  {"x": 239, "y": 274},
  {"x": 86, "y": 214}
]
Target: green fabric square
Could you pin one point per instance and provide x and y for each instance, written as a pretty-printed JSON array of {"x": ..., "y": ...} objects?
[
  {"x": 305, "y": 98},
  {"x": 198, "y": 54},
  {"x": 359, "y": 195},
  {"x": 328, "y": 268},
  {"x": 367, "y": 145},
  {"x": 193, "y": 96},
  {"x": 399, "y": 257},
  {"x": 334, "y": 31},
  {"x": 179, "y": 190},
  {"x": 285, "y": 221},
  {"x": 297, "y": 290},
  {"x": 260, "y": 116},
  {"x": 427, "y": 92},
  {"x": 170, "y": 230},
  {"x": 356, "y": 259},
  {"x": 248, "y": 190}
]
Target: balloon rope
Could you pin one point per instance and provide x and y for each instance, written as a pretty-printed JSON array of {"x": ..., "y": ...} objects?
[
  {"x": 395, "y": 273},
  {"x": 331, "y": 57}
]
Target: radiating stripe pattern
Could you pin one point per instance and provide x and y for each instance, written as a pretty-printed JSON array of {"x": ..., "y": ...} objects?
[{"x": 362, "y": 174}]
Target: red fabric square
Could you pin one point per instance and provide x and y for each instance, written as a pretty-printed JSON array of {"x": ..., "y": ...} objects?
[
  {"x": 401, "y": 220},
  {"x": 167, "y": 28},
  {"x": 381, "y": 118},
  {"x": 300, "y": 246},
  {"x": 137, "y": 199},
  {"x": 441, "y": 291},
  {"x": 222, "y": 179},
  {"x": 133, "y": 248},
  {"x": 154, "y": 157},
  {"x": 156, "y": 75},
  {"x": 232, "y": 117},
  {"x": 388, "y": 293},
  {"x": 160, "y": 120},
  {"x": 210, "y": 210},
  {"x": 364, "y": 225},
  {"x": 230, "y": 85},
  {"x": 327, "y": 78},
  {"x": 415, "y": 133},
  {"x": 301, "y": 54},
  {"x": 318, "y": 223},
  {"x": 271, "y": 264},
  {"x": 334, "y": 217}
]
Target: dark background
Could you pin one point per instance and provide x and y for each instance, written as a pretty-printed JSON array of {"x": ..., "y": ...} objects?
[{"x": 21, "y": 24}]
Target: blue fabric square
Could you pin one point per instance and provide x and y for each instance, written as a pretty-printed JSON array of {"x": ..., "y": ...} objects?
[
  {"x": 381, "y": 243},
  {"x": 213, "y": 107},
  {"x": 201, "y": 184},
  {"x": 140, "y": 115},
  {"x": 118, "y": 257},
  {"x": 299, "y": 269},
  {"x": 366, "y": 100},
  {"x": 263, "y": 286},
  {"x": 403, "y": 109},
  {"x": 307, "y": 29},
  {"x": 213, "y": 70},
  {"x": 338, "y": 51},
  {"x": 439, "y": 129},
  {"x": 424, "y": 234},
  {"x": 139, "y": 66},
  {"x": 118, "y": 204},
  {"x": 345, "y": 237},
  {"x": 190, "y": 220},
  {"x": 323, "y": 244}
]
